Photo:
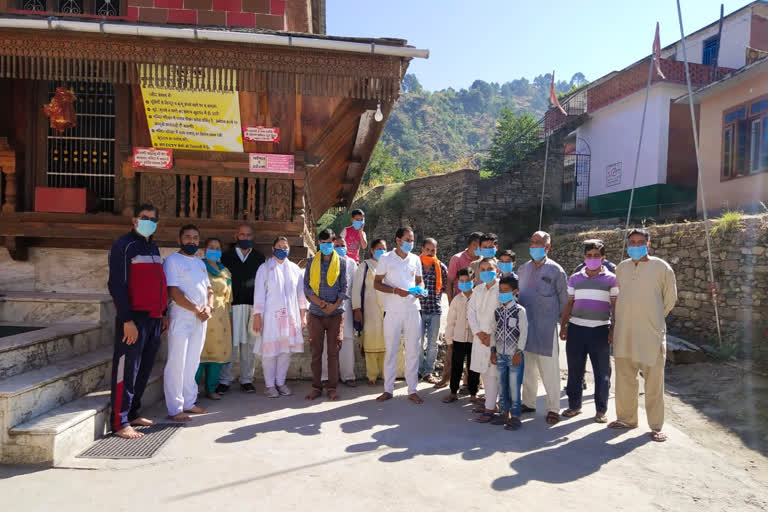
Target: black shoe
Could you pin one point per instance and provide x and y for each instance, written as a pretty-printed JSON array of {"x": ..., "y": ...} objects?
[
  {"x": 525, "y": 409},
  {"x": 222, "y": 388},
  {"x": 247, "y": 388}
]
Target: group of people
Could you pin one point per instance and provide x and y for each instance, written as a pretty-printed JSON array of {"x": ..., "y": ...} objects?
[{"x": 503, "y": 324}]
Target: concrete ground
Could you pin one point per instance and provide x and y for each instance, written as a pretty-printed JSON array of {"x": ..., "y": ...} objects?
[{"x": 255, "y": 453}]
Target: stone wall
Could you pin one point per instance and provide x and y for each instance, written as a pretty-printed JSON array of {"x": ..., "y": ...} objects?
[{"x": 740, "y": 268}]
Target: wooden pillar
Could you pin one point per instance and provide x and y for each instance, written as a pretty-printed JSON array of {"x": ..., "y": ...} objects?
[
  {"x": 129, "y": 188},
  {"x": 8, "y": 166}
]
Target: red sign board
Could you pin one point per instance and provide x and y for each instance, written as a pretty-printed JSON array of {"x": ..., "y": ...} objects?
[
  {"x": 153, "y": 157},
  {"x": 266, "y": 162},
  {"x": 261, "y": 134}
]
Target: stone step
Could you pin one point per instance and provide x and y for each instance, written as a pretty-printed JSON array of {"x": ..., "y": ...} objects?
[
  {"x": 49, "y": 344},
  {"x": 69, "y": 429},
  {"x": 51, "y": 307},
  {"x": 30, "y": 394}
]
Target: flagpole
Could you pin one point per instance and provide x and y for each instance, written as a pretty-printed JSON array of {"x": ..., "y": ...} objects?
[
  {"x": 544, "y": 178},
  {"x": 698, "y": 168},
  {"x": 637, "y": 158}
]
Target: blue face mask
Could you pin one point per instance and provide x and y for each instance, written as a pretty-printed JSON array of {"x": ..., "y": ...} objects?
[
  {"x": 378, "y": 254},
  {"x": 146, "y": 227},
  {"x": 245, "y": 244},
  {"x": 506, "y": 297},
  {"x": 212, "y": 254},
  {"x": 340, "y": 250},
  {"x": 537, "y": 253},
  {"x": 357, "y": 224},
  {"x": 477, "y": 252},
  {"x": 281, "y": 254},
  {"x": 488, "y": 276},
  {"x": 506, "y": 267},
  {"x": 407, "y": 246},
  {"x": 326, "y": 248},
  {"x": 638, "y": 253},
  {"x": 465, "y": 286},
  {"x": 189, "y": 249},
  {"x": 488, "y": 252}
]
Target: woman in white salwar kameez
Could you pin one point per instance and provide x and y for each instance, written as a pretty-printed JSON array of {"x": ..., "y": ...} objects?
[{"x": 279, "y": 309}]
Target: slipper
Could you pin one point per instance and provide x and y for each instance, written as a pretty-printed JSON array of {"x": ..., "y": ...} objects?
[
  {"x": 413, "y": 397},
  {"x": 485, "y": 417},
  {"x": 450, "y": 399},
  {"x": 314, "y": 394},
  {"x": 621, "y": 425},
  {"x": 553, "y": 418},
  {"x": 570, "y": 413},
  {"x": 659, "y": 437},
  {"x": 513, "y": 424},
  {"x": 525, "y": 409},
  {"x": 601, "y": 418},
  {"x": 441, "y": 384}
]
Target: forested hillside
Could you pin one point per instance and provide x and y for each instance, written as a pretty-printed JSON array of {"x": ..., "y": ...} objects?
[{"x": 432, "y": 132}]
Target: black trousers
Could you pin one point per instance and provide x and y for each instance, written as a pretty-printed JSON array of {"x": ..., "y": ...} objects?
[
  {"x": 592, "y": 342},
  {"x": 462, "y": 351}
]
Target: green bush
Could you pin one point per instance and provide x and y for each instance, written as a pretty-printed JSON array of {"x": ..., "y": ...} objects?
[{"x": 729, "y": 222}]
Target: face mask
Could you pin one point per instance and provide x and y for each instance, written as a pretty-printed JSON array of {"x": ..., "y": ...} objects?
[
  {"x": 378, "y": 254},
  {"x": 638, "y": 253},
  {"x": 593, "y": 263},
  {"x": 488, "y": 276},
  {"x": 189, "y": 249},
  {"x": 212, "y": 254},
  {"x": 506, "y": 297},
  {"x": 506, "y": 267},
  {"x": 407, "y": 246},
  {"x": 488, "y": 252},
  {"x": 281, "y": 254},
  {"x": 537, "y": 253},
  {"x": 477, "y": 252},
  {"x": 465, "y": 286},
  {"x": 341, "y": 251},
  {"x": 326, "y": 248},
  {"x": 245, "y": 244},
  {"x": 146, "y": 227},
  {"x": 357, "y": 224}
]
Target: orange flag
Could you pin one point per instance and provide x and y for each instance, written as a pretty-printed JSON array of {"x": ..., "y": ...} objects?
[
  {"x": 553, "y": 96},
  {"x": 657, "y": 52}
]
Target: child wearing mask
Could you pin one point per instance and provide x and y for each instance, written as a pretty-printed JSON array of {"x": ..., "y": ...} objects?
[
  {"x": 507, "y": 352},
  {"x": 354, "y": 235},
  {"x": 459, "y": 336},
  {"x": 507, "y": 264},
  {"x": 489, "y": 244}
]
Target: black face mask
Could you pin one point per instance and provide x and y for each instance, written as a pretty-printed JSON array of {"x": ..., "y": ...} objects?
[
  {"x": 189, "y": 249},
  {"x": 245, "y": 244}
]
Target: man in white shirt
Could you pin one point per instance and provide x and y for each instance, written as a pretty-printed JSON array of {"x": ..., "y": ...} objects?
[
  {"x": 397, "y": 274},
  {"x": 191, "y": 305}
]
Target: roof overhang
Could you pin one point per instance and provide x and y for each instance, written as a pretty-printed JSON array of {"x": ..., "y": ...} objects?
[{"x": 733, "y": 78}]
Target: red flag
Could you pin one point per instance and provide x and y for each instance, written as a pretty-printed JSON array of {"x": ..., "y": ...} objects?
[
  {"x": 553, "y": 96},
  {"x": 657, "y": 52}
]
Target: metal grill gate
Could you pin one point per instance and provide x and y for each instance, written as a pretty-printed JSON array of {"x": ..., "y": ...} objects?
[
  {"x": 575, "y": 191},
  {"x": 84, "y": 156}
]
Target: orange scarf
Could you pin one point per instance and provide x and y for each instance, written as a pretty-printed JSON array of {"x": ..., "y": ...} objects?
[{"x": 428, "y": 261}]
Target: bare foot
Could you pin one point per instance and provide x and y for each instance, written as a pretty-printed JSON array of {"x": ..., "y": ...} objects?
[
  {"x": 314, "y": 394},
  {"x": 415, "y": 398},
  {"x": 128, "y": 433},
  {"x": 181, "y": 418},
  {"x": 142, "y": 422},
  {"x": 196, "y": 410},
  {"x": 384, "y": 397},
  {"x": 372, "y": 383},
  {"x": 332, "y": 396}
]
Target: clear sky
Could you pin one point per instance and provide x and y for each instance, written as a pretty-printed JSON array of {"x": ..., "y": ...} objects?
[{"x": 501, "y": 40}]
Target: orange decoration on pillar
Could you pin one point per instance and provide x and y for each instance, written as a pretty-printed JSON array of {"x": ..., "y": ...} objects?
[{"x": 60, "y": 110}]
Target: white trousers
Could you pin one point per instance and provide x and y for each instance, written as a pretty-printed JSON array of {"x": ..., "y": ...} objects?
[
  {"x": 491, "y": 385},
  {"x": 186, "y": 337},
  {"x": 275, "y": 369},
  {"x": 346, "y": 360},
  {"x": 549, "y": 368},
  {"x": 242, "y": 344},
  {"x": 409, "y": 325}
]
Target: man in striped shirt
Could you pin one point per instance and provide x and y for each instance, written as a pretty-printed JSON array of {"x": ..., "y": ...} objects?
[{"x": 587, "y": 325}]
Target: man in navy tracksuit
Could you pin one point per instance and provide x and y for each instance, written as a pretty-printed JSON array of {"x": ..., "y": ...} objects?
[{"x": 138, "y": 288}]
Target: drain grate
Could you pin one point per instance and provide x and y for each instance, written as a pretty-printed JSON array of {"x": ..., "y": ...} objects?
[{"x": 113, "y": 447}]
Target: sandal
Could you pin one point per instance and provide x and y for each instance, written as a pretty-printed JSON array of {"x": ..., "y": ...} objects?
[
  {"x": 513, "y": 424},
  {"x": 413, "y": 397},
  {"x": 485, "y": 417},
  {"x": 478, "y": 410},
  {"x": 659, "y": 437},
  {"x": 601, "y": 418},
  {"x": 450, "y": 399},
  {"x": 570, "y": 413},
  {"x": 621, "y": 425},
  {"x": 525, "y": 409},
  {"x": 314, "y": 394},
  {"x": 441, "y": 384},
  {"x": 553, "y": 418},
  {"x": 332, "y": 396}
]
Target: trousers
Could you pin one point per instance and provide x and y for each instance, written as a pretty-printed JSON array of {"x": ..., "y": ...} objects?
[
  {"x": 491, "y": 383},
  {"x": 430, "y": 329},
  {"x": 510, "y": 384},
  {"x": 408, "y": 324},
  {"x": 131, "y": 368},
  {"x": 346, "y": 360},
  {"x": 463, "y": 351},
  {"x": 186, "y": 337},
  {"x": 592, "y": 342},
  {"x": 549, "y": 368},
  {"x": 319, "y": 327},
  {"x": 209, "y": 372},
  {"x": 626, "y": 391},
  {"x": 242, "y": 347},
  {"x": 275, "y": 369}
]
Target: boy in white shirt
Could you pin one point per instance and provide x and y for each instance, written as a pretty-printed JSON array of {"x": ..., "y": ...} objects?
[
  {"x": 459, "y": 335},
  {"x": 191, "y": 305}
]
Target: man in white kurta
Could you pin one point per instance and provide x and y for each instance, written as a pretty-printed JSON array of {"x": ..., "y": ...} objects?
[
  {"x": 482, "y": 304},
  {"x": 279, "y": 308},
  {"x": 397, "y": 274},
  {"x": 347, "y": 352},
  {"x": 647, "y": 293}
]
